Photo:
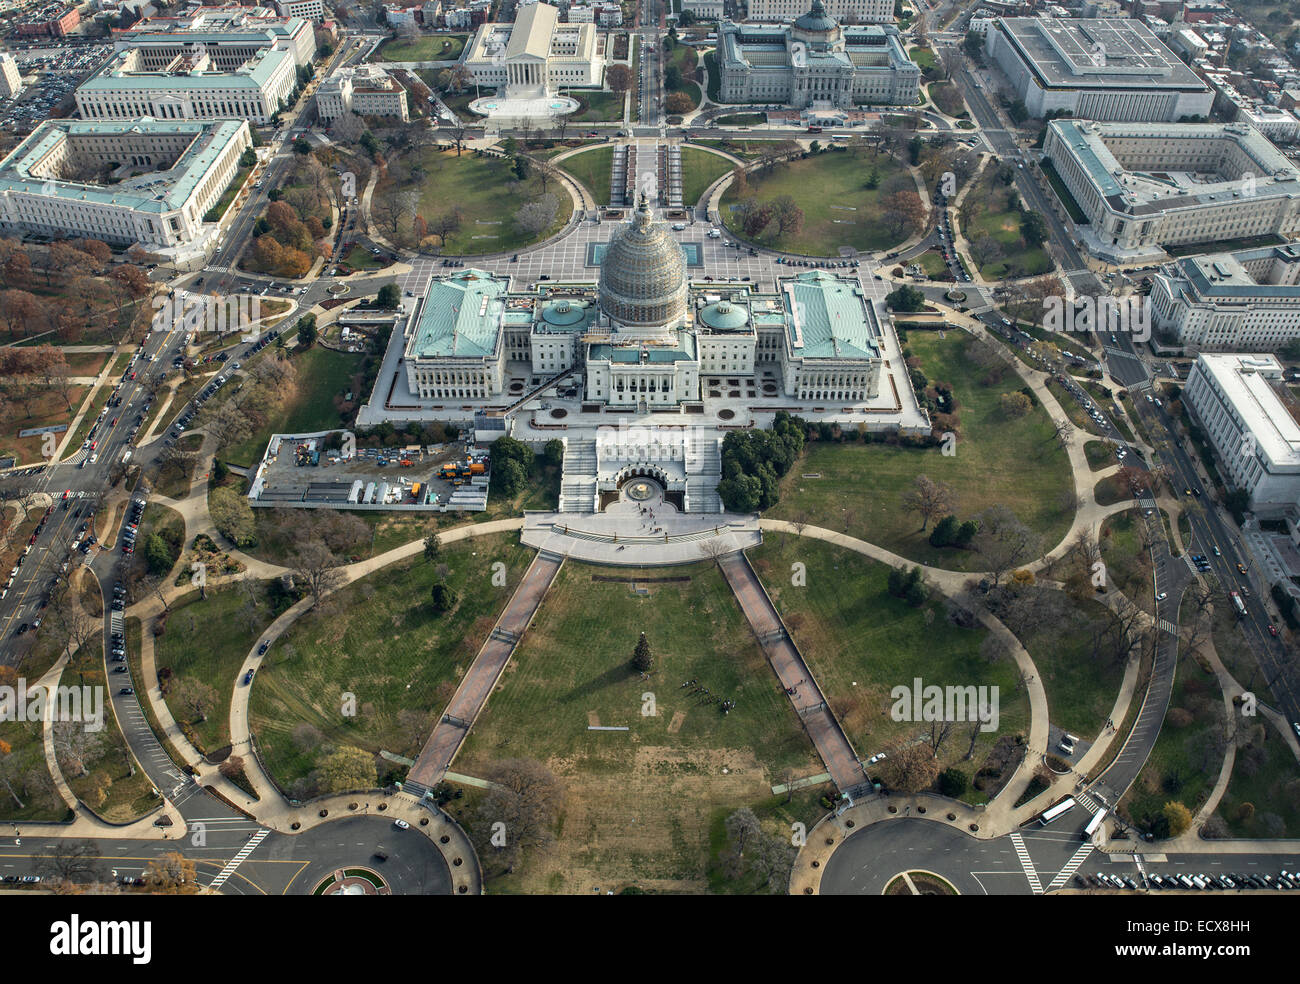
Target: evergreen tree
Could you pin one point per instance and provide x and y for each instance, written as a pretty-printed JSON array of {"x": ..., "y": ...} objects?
[{"x": 641, "y": 658}]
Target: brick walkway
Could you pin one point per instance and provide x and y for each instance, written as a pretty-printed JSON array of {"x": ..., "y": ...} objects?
[
  {"x": 784, "y": 656},
  {"x": 478, "y": 683}
]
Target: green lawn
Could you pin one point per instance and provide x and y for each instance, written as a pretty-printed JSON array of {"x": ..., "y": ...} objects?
[
  {"x": 481, "y": 188},
  {"x": 113, "y": 786},
  {"x": 1263, "y": 795},
  {"x": 322, "y": 374},
  {"x": 592, "y": 168},
  {"x": 686, "y": 59},
  {"x": 208, "y": 640},
  {"x": 641, "y": 805},
  {"x": 436, "y": 47},
  {"x": 741, "y": 119},
  {"x": 933, "y": 263},
  {"x": 380, "y": 641},
  {"x": 1081, "y": 690},
  {"x": 831, "y": 188},
  {"x": 33, "y": 796},
  {"x": 986, "y": 211},
  {"x": 597, "y": 106},
  {"x": 923, "y": 58},
  {"x": 998, "y": 461},
  {"x": 1099, "y": 455},
  {"x": 1187, "y": 757},
  {"x": 861, "y": 642},
  {"x": 700, "y": 168}
]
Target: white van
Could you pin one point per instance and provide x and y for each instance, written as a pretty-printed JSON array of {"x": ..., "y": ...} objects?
[{"x": 715, "y": 234}]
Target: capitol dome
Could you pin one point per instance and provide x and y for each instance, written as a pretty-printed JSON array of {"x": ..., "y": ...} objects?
[{"x": 643, "y": 274}]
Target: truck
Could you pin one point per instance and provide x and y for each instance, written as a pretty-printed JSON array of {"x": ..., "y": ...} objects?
[{"x": 1238, "y": 604}]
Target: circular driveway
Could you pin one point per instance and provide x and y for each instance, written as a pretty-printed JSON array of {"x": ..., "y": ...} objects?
[
  {"x": 414, "y": 866},
  {"x": 871, "y": 857}
]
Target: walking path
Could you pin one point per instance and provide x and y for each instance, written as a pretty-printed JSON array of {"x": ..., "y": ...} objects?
[
  {"x": 796, "y": 678},
  {"x": 477, "y": 684}
]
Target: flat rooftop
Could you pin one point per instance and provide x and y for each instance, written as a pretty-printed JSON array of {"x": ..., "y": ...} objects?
[
  {"x": 1071, "y": 54},
  {"x": 1154, "y": 191},
  {"x": 1245, "y": 383},
  {"x": 156, "y": 191}
]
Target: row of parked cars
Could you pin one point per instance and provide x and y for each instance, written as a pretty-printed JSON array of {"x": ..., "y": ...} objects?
[
  {"x": 129, "y": 532},
  {"x": 1195, "y": 882}
]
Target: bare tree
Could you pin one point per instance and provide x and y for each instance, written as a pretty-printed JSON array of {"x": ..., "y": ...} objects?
[
  {"x": 929, "y": 499},
  {"x": 317, "y": 567}
]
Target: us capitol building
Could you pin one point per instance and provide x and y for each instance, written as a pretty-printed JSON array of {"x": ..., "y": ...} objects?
[{"x": 645, "y": 337}]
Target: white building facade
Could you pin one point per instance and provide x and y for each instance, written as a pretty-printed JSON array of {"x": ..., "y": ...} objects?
[
  {"x": 536, "y": 53},
  {"x": 1147, "y": 186},
  {"x": 1254, "y": 436},
  {"x": 365, "y": 90},
  {"x": 845, "y": 11},
  {"x": 1114, "y": 70},
  {"x": 186, "y": 165},
  {"x": 189, "y": 87}
]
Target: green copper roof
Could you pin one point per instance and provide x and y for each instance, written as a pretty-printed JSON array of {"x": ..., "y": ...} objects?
[{"x": 459, "y": 317}]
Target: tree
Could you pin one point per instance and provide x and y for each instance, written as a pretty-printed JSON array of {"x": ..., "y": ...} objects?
[
  {"x": 679, "y": 103},
  {"x": 70, "y": 860},
  {"x": 172, "y": 874},
  {"x": 525, "y": 800},
  {"x": 1177, "y": 816},
  {"x": 509, "y": 478},
  {"x": 1004, "y": 541},
  {"x": 232, "y": 516},
  {"x": 642, "y": 660},
  {"x": 390, "y": 296},
  {"x": 196, "y": 697},
  {"x": 534, "y": 218},
  {"x": 316, "y": 566},
  {"x": 553, "y": 452},
  {"x": 928, "y": 499},
  {"x": 432, "y": 547},
  {"x": 905, "y": 297},
  {"x": 952, "y": 781},
  {"x": 903, "y": 211},
  {"x": 789, "y": 215},
  {"x": 1033, "y": 228},
  {"x": 443, "y": 597},
  {"x": 910, "y": 769},
  {"x": 1014, "y": 405},
  {"x": 307, "y": 331},
  {"x": 348, "y": 768},
  {"x": 157, "y": 555},
  {"x": 742, "y": 829}
]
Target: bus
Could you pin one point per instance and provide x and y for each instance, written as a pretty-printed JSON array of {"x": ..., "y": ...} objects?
[
  {"x": 1058, "y": 811},
  {"x": 1238, "y": 604},
  {"x": 1094, "y": 824}
]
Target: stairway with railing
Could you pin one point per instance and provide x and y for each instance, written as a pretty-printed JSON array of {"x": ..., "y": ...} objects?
[
  {"x": 578, "y": 480},
  {"x": 703, "y": 473}
]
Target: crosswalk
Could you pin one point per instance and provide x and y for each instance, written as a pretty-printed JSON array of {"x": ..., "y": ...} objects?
[
  {"x": 238, "y": 859},
  {"x": 1027, "y": 863},
  {"x": 1087, "y": 802},
  {"x": 1167, "y": 626},
  {"x": 1071, "y": 866}
]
